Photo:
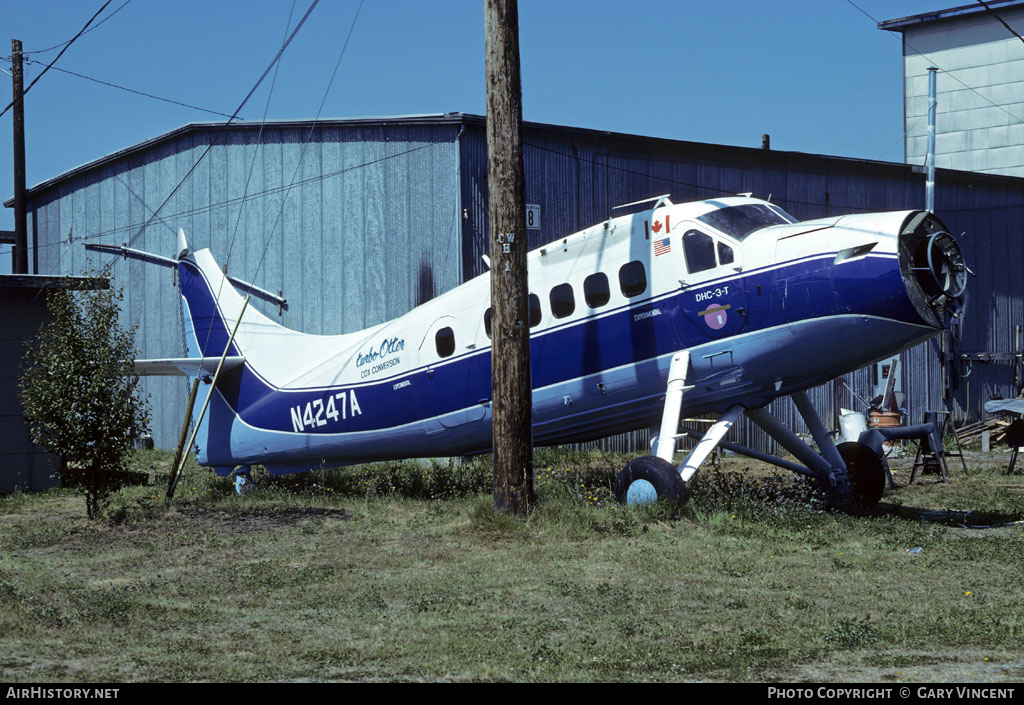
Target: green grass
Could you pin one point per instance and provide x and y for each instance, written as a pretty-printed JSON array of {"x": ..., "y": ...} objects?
[{"x": 405, "y": 572}]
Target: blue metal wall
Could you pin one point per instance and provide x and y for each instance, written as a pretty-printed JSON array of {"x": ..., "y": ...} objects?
[
  {"x": 371, "y": 226},
  {"x": 368, "y": 229}
]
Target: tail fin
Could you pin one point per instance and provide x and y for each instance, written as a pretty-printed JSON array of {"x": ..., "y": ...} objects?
[
  {"x": 196, "y": 340},
  {"x": 212, "y": 305}
]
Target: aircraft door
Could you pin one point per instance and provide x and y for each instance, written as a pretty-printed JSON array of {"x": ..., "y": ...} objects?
[
  {"x": 714, "y": 300},
  {"x": 443, "y": 352}
]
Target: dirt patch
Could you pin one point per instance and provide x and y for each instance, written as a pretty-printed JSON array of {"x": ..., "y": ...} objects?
[
  {"x": 255, "y": 517},
  {"x": 961, "y": 519},
  {"x": 913, "y": 667}
]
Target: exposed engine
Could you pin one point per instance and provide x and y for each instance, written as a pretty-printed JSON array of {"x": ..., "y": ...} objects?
[{"x": 933, "y": 268}]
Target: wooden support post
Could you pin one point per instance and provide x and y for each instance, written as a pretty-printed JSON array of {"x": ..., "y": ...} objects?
[
  {"x": 20, "y": 264},
  {"x": 511, "y": 389},
  {"x": 181, "y": 439}
]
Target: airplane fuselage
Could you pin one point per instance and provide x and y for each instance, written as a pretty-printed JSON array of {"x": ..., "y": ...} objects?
[{"x": 765, "y": 305}]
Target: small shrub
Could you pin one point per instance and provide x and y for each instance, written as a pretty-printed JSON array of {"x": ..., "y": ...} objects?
[{"x": 79, "y": 392}]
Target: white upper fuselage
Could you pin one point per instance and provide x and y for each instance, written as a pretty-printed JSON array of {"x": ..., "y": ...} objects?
[{"x": 290, "y": 359}]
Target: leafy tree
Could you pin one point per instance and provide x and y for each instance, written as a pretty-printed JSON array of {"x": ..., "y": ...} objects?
[{"x": 78, "y": 391}]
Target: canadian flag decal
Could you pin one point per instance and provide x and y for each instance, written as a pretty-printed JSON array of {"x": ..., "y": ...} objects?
[{"x": 657, "y": 227}]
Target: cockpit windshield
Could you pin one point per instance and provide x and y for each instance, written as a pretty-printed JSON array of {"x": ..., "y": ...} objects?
[{"x": 740, "y": 221}]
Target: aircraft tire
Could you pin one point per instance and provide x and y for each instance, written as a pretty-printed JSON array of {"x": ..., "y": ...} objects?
[
  {"x": 243, "y": 483},
  {"x": 650, "y": 479},
  {"x": 862, "y": 485}
]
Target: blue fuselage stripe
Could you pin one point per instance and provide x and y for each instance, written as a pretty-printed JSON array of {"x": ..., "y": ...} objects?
[{"x": 754, "y": 301}]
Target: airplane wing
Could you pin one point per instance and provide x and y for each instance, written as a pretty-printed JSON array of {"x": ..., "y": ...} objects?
[{"x": 185, "y": 366}]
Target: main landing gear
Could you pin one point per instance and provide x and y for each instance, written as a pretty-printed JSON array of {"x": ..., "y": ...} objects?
[
  {"x": 852, "y": 473},
  {"x": 648, "y": 479}
]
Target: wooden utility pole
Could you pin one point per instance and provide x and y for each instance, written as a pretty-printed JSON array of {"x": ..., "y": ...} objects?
[
  {"x": 18, "y": 109},
  {"x": 511, "y": 392}
]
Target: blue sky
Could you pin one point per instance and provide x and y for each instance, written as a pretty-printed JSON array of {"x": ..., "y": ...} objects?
[{"x": 817, "y": 75}]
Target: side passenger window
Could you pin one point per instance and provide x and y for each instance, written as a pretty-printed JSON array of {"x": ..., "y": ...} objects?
[
  {"x": 444, "y": 339},
  {"x": 724, "y": 254},
  {"x": 700, "y": 251},
  {"x": 563, "y": 302},
  {"x": 595, "y": 290},
  {"x": 534, "y": 310},
  {"x": 633, "y": 278}
]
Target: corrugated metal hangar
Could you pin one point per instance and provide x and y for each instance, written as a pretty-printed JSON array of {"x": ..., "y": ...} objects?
[
  {"x": 980, "y": 86},
  {"x": 357, "y": 221}
]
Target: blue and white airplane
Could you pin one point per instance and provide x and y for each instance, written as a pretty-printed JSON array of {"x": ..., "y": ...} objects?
[{"x": 718, "y": 306}]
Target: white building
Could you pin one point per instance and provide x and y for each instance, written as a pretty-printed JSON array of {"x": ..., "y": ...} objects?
[{"x": 980, "y": 85}]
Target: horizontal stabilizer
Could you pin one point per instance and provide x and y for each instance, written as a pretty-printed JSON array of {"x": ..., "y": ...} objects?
[
  {"x": 127, "y": 252},
  {"x": 185, "y": 366}
]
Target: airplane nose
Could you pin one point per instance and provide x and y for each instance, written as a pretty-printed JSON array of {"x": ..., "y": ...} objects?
[{"x": 933, "y": 268}]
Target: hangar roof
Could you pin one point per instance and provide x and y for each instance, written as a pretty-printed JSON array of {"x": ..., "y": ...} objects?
[
  {"x": 898, "y": 25},
  {"x": 695, "y": 149}
]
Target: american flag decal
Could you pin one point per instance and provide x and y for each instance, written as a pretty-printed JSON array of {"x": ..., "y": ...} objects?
[{"x": 662, "y": 246}]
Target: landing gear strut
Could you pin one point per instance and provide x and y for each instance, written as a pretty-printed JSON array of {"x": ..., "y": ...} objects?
[
  {"x": 647, "y": 472},
  {"x": 654, "y": 477},
  {"x": 852, "y": 473}
]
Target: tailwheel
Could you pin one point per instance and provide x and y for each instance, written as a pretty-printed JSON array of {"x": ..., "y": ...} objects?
[
  {"x": 243, "y": 482},
  {"x": 864, "y": 481},
  {"x": 650, "y": 479}
]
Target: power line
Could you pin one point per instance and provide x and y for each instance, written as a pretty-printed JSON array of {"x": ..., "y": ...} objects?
[
  {"x": 994, "y": 14},
  {"x": 711, "y": 190},
  {"x": 862, "y": 11},
  {"x": 284, "y": 188},
  {"x": 236, "y": 201},
  {"x": 606, "y": 165},
  {"x": 96, "y": 26},
  {"x": 902, "y": 137},
  {"x": 259, "y": 137},
  {"x": 132, "y": 90},
  {"x": 277, "y": 57},
  {"x": 309, "y": 134},
  {"x": 66, "y": 47},
  {"x": 278, "y": 189},
  {"x": 927, "y": 58},
  {"x": 248, "y": 178}
]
